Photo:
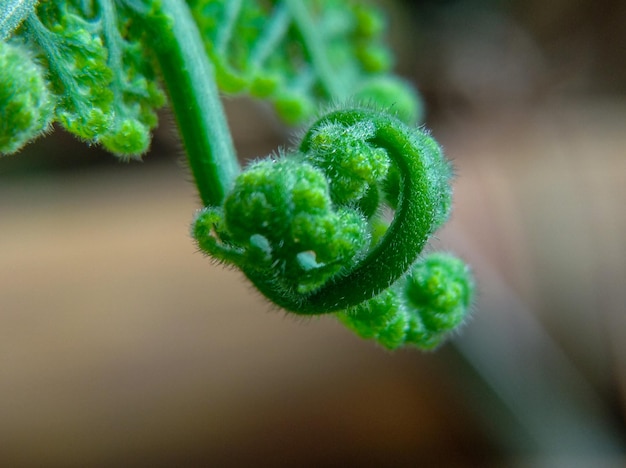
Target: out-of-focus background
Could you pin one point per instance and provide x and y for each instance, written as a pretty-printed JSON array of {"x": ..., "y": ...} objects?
[{"x": 120, "y": 345}]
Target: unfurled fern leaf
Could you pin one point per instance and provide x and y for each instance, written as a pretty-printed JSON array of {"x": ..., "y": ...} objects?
[
  {"x": 297, "y": 53},
  {"x": 101, "y": 76},
  {"x": 106, "y": 87}
]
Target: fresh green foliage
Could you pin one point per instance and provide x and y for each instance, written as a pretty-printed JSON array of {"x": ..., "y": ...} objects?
[
  {"x": 308, "y": 227},
  {"x": 297, "y": 53},
  {"x": 299, "y": 224},
  {"x": 420, "y": 309},
  {"x": 12, "y": 13},
  {"x": 26, "y": 107},
  {"x": 278, "y": 221},
  {"x": 103, "y": 82}
]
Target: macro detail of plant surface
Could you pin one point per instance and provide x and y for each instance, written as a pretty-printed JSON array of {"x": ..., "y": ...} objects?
[{"x": 334, "y": 225}]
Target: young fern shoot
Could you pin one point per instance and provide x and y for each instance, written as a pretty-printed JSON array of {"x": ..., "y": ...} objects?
[
  {"x": 307, "y": 229},
  {"x": 306, "y": 226}
]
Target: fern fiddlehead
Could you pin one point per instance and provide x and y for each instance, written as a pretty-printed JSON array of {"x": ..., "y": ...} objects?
[
  {"x": 303, "y": 228},
  {"x": 307, "y": 227}
]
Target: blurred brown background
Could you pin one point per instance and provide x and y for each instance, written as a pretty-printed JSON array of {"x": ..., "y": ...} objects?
[{"x": 120, "y": 345}]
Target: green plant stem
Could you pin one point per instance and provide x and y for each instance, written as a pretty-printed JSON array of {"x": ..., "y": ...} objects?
[
  {"x": 12, "y": 13},
  {"x": 190, "y": 82},
  {"x": 274, "y": 31},
  {"x": 112, "y": 38},
  {"x": 49, "y": 46},
  {"x": 315, "y": 49},
  {"x": 232, "y": 11}
]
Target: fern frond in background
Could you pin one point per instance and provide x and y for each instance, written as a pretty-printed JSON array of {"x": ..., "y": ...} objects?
[
  {"x": 297, "y": 54},
  {"x": 105, "y": 89}
]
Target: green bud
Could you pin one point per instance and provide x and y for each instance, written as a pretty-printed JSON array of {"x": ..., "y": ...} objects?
[
  {"x": 441, "y": 288},
  {"x": 26, "y": 104}
]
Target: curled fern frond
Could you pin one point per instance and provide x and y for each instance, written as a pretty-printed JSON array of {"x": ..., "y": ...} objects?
[
  {"x": 307, "y": 227},
  {"x": 303, "y": 230},
  {"x": 279, "y": 220}
]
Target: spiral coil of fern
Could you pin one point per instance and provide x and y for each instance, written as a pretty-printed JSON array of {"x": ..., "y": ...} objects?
[{"x": 307, "y": 227}]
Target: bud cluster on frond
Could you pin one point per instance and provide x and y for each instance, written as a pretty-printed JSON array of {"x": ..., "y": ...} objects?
[
  {"x": 279, "y": 220},
  {"x": 98, "y": 63},
  {"x": 103, "y": 85},
  {"x": 420, "y": 309},
  {"x": 304, "y": 229},
  {"x": 26, "y": 105}
]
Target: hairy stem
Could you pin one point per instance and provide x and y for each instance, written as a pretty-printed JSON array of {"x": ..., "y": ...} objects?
[
  {"x": 12, "y": 13},
  {"x": 190, "y": 82}
]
